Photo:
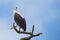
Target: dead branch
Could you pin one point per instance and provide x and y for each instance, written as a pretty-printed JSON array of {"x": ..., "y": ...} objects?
[
  {"x": 18, "y": 31},
  {"x": 24, "y": 32},
  {"x": 32, "y": 29},
  {"x": 35, "y": 35}
]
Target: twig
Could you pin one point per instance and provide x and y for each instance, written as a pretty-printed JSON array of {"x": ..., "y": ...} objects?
[{"x": 32, "y": 29}]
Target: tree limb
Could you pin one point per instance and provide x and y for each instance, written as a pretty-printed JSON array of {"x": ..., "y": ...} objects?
[
  {"x": 20, "y": 32},
  {"x": 24, "y": 32}
]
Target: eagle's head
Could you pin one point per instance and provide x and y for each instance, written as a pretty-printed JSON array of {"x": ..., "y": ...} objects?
[{"x": 15, "y": 9}]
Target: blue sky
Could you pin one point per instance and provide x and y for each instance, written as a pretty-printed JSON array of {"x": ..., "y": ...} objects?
[{"x": 44, "y": 14}]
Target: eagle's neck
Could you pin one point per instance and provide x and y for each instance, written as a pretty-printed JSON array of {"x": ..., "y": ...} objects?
[{"x": 17, "y": 13}]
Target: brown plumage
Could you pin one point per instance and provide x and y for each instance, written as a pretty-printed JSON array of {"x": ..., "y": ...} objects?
[{"x": 20, "y": 20}]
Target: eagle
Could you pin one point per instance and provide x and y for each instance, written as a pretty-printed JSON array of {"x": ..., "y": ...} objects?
[{"x": 19, "y": 19}]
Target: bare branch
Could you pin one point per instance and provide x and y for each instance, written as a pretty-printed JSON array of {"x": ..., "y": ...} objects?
[
  {"x": 24, "y": 32},
  {"x": 32, "y": 29},
  {"x": 35, "y": 35},
  {"x": 20, "y": 32},
  {"x": 28, "y": 38}
]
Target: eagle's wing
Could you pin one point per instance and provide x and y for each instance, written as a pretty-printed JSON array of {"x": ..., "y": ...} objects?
[{"x": 20, "y": 21}]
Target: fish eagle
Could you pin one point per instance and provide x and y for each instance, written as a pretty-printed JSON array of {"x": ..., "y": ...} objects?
[{"x": 19, "y": 19}]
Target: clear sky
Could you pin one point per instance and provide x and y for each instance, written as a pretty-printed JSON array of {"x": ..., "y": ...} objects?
[{"x": 44, "y": 14}]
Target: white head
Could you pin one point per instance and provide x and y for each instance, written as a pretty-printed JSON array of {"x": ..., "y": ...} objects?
[{"x": 15, "y": 9}]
